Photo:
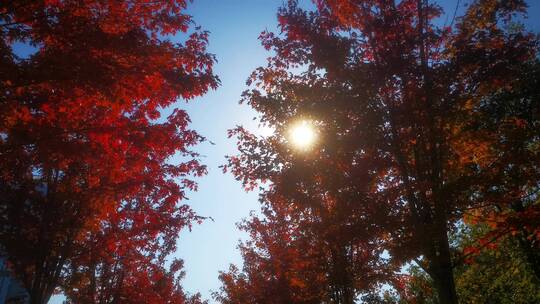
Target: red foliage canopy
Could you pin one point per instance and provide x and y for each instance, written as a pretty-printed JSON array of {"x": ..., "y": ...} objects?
[
  {"x": 82, "y": 141},
  {"x": 401, "y": 107}
]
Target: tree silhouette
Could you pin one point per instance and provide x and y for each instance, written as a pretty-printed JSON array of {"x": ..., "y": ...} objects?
[
  {"x": 83, "y": 145},
  {"x": 394, "y": 95}
]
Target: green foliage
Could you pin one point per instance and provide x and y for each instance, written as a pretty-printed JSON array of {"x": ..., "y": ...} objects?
[{"x": 498, "y": 275}]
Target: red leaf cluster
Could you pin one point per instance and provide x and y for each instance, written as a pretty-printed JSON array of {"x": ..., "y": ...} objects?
[{"x": 87, "y": 186}]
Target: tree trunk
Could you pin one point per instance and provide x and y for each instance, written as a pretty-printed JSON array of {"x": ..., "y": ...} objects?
[
  {"x": 532, "y": 253},
  {"x": 42, "y": 290},
  {"x": 442, "y": 269},
  {"x": 445, "y": 286},
  {"x": 36, "y": 297}
]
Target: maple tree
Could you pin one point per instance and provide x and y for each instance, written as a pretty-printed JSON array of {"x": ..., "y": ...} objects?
[
  {"x": 302, "y": 255},
  {"x": 399, "y": 102},
  {"x": 509, "y": 123},
  {"x": 127, "y": 257},
  {"x": 85, "y": 152},
  {"x": 279, "y": 266}
]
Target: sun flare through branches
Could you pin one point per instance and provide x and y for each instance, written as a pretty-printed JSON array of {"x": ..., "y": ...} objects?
[{"x": 302, "y": 135}]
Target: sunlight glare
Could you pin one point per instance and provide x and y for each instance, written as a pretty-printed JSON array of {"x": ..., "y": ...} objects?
[{"x": 302, "y": 134}]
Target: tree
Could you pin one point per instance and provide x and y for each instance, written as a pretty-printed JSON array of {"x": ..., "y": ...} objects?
[
  {"x": 300, "y": 255},
  {"x": 509, "y": 122},
  {"x": 392, "y": 95},
  {"x": 279, "y": 265},
  {"x": 498, "y": 273},
  {"x": 80, "y": 128},
  {"x": 124, "y": 260}
]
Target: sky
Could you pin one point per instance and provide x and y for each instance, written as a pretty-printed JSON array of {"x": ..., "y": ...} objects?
[{"x": 234, "y": 27}]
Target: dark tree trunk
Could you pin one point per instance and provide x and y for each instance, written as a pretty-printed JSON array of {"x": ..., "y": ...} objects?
[
  {"x": 36, "y": 295},
  {"x": 531, "y": 251},
  {"x": 439, "y": 257},
  {"x": 342, "y": 283},
  {"x": 44, "y": 284},
  {"x": 444, "y": 283},
  {"x": 441, "y": 268}
]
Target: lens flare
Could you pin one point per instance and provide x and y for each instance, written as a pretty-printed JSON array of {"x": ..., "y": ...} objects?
[{"x": 302, "y": 135}]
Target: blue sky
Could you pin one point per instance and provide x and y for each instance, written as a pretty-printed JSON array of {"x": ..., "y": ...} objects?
[{"x": 234, "y": 26}]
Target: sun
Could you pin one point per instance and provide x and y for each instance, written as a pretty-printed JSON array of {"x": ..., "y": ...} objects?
[{"x": 302, "y": 134}]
